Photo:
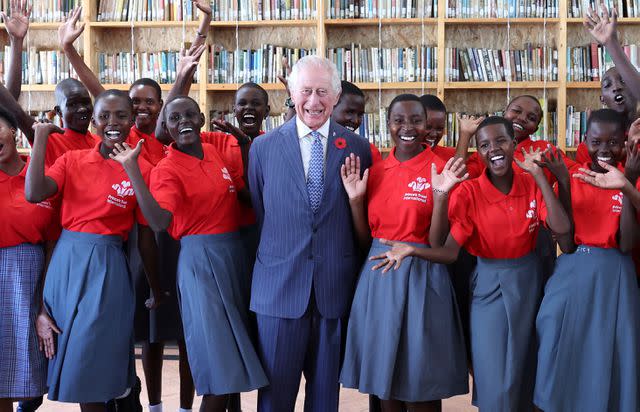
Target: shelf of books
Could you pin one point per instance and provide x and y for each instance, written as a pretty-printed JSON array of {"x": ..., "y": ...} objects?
[{"x": 473, "y": 54}]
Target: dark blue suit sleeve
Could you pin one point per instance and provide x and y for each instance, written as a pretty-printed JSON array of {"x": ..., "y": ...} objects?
[{"x": 256, "y": 183}]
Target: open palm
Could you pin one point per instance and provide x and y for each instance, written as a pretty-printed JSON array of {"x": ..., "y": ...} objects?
[
  {"x": 354, "y": 185},
  {"x": 17, "y": 24},
  {"x": 601, "y": 26},
  {"x": 453, "y": 173}
]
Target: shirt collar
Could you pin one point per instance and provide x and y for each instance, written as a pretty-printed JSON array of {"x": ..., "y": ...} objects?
[
  {"x": 416, "y": 163},
  {"x": 493, "y": 195},
  {"x": 137, "y": 132},
  {"x": 304, "y": 130},
  {"x": 23, "y": 173},
  {"x": 187, "y": 161}
]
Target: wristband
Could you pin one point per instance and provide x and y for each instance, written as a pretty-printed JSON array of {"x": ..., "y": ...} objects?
[
  {"x": 204, "y": 36},
  {"x": 442, "y": 192}
]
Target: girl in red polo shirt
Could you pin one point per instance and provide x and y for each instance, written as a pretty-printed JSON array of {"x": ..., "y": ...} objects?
[
  {"x": 194, "y": 195},
  {"x": 589, "y": 320},
  {"x": 89, "y": 291},
  {"x": 404, "y": 342},
  {"x": 24, "y": 229},
  {"x": 496, "y": 218}
]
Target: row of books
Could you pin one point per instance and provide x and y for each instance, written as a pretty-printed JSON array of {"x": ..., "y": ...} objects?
[
  {"x": 250, "y": 10},
  {"x": 125, "y": 68},
  {"x": 576, "y": 126},
  {"x": 589, "y": 63},
  {"x": 502, "y": 8},
  {"x": 373, "y": 9},
  {"x": 147, "y": 10},
  {"x": 46, "y": 11},
  {"x": 40, "y": 66},
  {"x": 625, "y": 8},
  {"x": 489, "y": 65},
  {"x": 410, "y": 64},
  {"x": 263, "y": 65}
]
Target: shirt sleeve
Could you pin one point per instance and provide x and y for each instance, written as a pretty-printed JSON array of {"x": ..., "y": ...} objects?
[
  {"x": 165, "y": 188},
  {"x": 582, "y": 154},
  {"x": 375, "y": 154},
  {"x": 475, "y": 167},
  {"x": 461, "y": 227},
  {"x": 58, "y": 171}
]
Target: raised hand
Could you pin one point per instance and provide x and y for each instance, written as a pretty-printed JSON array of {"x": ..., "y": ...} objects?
[
  {"x": 45, "y": 128},
  {"x": 634, "y": 132},
  {"x": 531, "y": 161},
  {"x": 392, "y": 258},
  {"x": 125, "y": 155},
  {"x": 552, "y": 160},
  {"x": 68, "y": 32},
  {"x": 453, "y": 173},
  {"x": 287, "y": 70},
  {"x": 45, "y": 328},
  {"x": 612, "y": 179},
  {"x": 189, "y": 60},
  {"x": 17, "y": 23},
  {"x": 602, "y": 26},
  {"x": 355, "y": 186},
  {"x": 227, "y": 127},
  {"x": 468, "y": 124},
  {"x": 632, "y": 164},
  {"x": 203, "y": 5}
]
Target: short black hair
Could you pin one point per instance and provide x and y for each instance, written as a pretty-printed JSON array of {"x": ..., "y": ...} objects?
[
  {"x": 405, "y": 97},
  {"x": 8, "y": 117},
  {"x": 116, "y": 93},
  {"x": 432, "y": 102},
  {"x": 528, "y": 96},
  {"x": 491, "y": 120},
  {"x": 350, "y": 88},
  {"x": 145, "y": 81},
  {"x": 59, "y": 91},
  {"x": 256, "y": 86},
  {"x": 607, "y": 116},
  {"x": 183, "y": 96}
]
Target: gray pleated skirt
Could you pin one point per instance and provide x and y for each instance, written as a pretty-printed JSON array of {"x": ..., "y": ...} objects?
[
  {"x": 589, "y": 334},
  {"x": 23, "y": 367},
  {"x": 404, "y": 338},
  {"x": 211, "y": 272},
  {"x": 505, "y": 295},
  {"x": 89, "y": 293}
]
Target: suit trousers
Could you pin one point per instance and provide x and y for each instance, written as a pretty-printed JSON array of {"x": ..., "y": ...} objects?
[{"x": 311, "y": 345}]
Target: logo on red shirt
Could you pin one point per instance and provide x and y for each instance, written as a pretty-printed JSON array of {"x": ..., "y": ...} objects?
[
  {"x": 532, "y": 214},
  {"x": 617, "y": 208},
  {"x": 419, "y": 185},
  {"x": 45, "y": 204},
  {"x": 123, "y": 189},
  {"x": 227, "y": 176}
]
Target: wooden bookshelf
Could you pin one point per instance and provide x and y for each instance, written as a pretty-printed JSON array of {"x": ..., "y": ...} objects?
[{"x": 322, "y": 32}]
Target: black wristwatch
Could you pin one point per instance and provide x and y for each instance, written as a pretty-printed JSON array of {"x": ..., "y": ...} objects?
[{"x": 289, "y": 103}]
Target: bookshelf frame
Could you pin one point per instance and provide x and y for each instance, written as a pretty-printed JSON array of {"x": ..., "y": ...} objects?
[{"x": 559, "y": 26}]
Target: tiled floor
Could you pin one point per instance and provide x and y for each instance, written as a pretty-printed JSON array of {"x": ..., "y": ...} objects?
[{"x": 350, "y": 400}]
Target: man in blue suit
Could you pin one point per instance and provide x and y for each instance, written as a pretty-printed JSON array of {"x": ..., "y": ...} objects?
[{"x": 307, "y": 260}]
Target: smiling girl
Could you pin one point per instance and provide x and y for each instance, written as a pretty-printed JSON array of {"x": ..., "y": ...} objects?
[{"x": 89, "y": 291}]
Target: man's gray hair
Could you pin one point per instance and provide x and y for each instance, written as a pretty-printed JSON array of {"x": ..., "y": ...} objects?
[{"x": 316, "y": 62}]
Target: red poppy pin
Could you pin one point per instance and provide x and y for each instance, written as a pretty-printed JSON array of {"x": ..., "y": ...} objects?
[{"x": 340, "y": 143}]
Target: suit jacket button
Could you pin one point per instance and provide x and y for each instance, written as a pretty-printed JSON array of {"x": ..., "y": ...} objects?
[
  {"x": 315, "y": 229},
  {"x": 310, "y": 257}
]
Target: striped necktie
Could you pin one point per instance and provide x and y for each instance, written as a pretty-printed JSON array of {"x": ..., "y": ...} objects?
[{"x": 315, "y": 175}]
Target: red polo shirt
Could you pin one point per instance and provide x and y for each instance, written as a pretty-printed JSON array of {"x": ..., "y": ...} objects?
[
  {"x": 201, "y": 194},
  {"x": 152, "y": 150},
  {"x": 21, "y": 221},
  {"x": 400, "y": 199},
  {"x": 493, "y": 225},
  {"x": 97, "y": 196},
  {"x": 58, "y": 144}
]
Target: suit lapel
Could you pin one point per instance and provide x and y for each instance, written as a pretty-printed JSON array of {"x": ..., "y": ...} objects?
[
  {"x": 334, "y": 159},
  {"x": 293, "y": 159}
]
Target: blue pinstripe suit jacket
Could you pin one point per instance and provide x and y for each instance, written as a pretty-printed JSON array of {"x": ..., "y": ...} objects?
[{"x": 301, "y": 251}]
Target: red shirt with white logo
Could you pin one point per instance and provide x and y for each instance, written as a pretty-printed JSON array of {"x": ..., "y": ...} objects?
[
  {"x": 58, "y": 144},
  {"x": 201, "y": 194},
  {"x": 596, "y": 212},
  {"x": 97, "y": 196},
  {"x": 228, "y": 147},
  {"x": 376, "y": 156},
  {"x": 400, "y": 200},
  {"x": 21, "y": 221},
  {"x": 476, "y": 167},
  {"x": 490, "y": 224},
  {"x": 152, "y": 149}
]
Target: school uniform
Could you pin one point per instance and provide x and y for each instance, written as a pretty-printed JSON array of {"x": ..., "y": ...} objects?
[
  {"x": 376, "y": 156},
  {"x": 60, "y": 143},
  {"x": 23, "y": 228},
  {"x": 588, "y": 325},
  {"x": 404, "y": 338},
  {"x": 444, "y": 152},
  {"x": 202, "y": 196},
  {"x": 506, "y": 286},
  {"x": 89, "y": 290},
  {"x": 152, "y": 149}
]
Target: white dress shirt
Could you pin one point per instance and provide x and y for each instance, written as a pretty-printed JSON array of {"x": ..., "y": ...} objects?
[{"x": 306, "y": 140}]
